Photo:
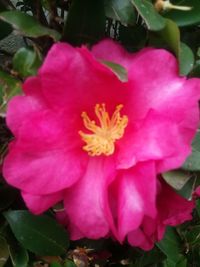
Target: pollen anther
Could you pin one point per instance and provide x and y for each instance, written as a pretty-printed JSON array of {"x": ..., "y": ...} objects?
[{"x": 102, "y": 139}]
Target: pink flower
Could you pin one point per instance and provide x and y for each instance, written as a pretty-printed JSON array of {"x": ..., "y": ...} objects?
[{"x": 85, "y": 137}]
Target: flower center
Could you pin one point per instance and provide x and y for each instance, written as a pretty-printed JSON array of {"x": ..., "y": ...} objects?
[{"x": 103, "y": 136}]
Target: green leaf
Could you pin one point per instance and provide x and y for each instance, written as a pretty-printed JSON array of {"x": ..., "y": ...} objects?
[
  {"x": 4, "y": 253},
  {"x": 26, "y": 62},
  {"x": 19, "y": 256},
  {"x": 193, "y": 161},
  {"x": 40, "y": 234},
  {"x": 185, "y": 18},
  {"x": 119, "y": 70},
  {"x": 9, "y": 86},
  {"x": 187, "y": 190},
  {"x": 153, "y": 20},
  {"x": 177, "y": 178},
  {"x": 186, "y": 59},
  {"x": 182, "y": 263},
  {"x": 170, "y": 245},
  {"x": 85, "y": 22},
  {"x": 171, "y": 35},
  {"x": 121, "y": 10},
  {"x": 27, "y": 26}
]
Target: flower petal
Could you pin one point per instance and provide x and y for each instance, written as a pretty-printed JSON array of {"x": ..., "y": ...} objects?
[
  {"x": 86, "y": 202},
  {"x": 155, "y": 138},
  {"x": 110, "y": 50},
  {"x": 172, "y": 209},
  {"x": 43, "y": 172},
  {"x": 134, "y": 193},
  {"x": 40, "y": 203},
  {"x": 77, "y": 94}
]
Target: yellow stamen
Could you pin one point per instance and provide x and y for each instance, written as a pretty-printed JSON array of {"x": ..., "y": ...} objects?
[{"x": 103, "y": 136}]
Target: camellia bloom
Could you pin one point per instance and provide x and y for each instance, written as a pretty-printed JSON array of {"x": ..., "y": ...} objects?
[{"x": 84, "y": 136}]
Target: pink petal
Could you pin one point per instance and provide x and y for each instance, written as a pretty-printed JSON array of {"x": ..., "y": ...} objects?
[
  {"x": 40, "y": 203},
  {"x": 155, "y": 138},
  {"x": 43, "y": 172},
  {"x": 78, "y": 95},
  {"x": 86, "y": 202},
  {"x": 109, "y": 50},
  {"x": 177, "y": 209},
  {"x": 160, "y": 88},
  {"x": 137, "y": 238},
  {"x": 134, "y": 193},
  {"x": 172, "y": 209}
]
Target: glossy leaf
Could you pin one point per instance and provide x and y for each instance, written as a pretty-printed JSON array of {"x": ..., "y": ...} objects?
[
  {"x": 171, "y": 35},
  {"x": 4, "y": 253},
  {"x": 40, "y": 234},
  {"x": 185, "y": 18},
  {"x": 186, "y": 59},
  {"x": 170, "y": 245},
  {"x": 177, "y": 178},
  {"x": 85, "y": 22},
  {"x": 153, "y": 20},
  {"x": 26, "y": 62},
  {"x": 119, "y": 71},
  {"x": 193, "y": 161},
  {"x": 121, "y": 10},
  {"x": 26, "y": 25}
]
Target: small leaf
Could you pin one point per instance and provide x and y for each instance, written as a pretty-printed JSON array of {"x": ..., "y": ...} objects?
[
  {"x": 40, "y": 234},
  {"x": 26, "y": 62},
  {"x": 185, "y": 18},
  {"x": 170, "y": 245},
  {"x": 85, "y": 22},
  {"x": 119, "y": 71},
  {"x": 177, "y": 178},
  {"x": 4, "y": 253},
  {"x": 27, "y": 26},
  {"x": 121, "y": 10},
  {"x": 171, "y": 35},
  {"x": 193, "y": 161},
  {"x": 186, "y": 59},
  {"x": 153, "y": 20}
]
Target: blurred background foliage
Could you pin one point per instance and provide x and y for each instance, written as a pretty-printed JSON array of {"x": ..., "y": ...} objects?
[{"x": 28, "y": 28}]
